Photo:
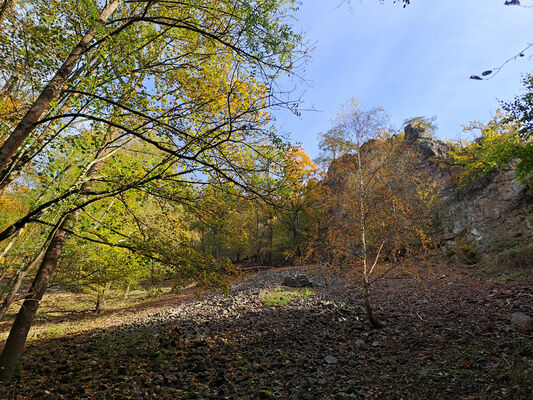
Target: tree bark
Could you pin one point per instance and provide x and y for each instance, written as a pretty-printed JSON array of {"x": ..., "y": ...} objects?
[
  {"x": 12, "y": 295},
  {"x": 366, "y": 285},
  {"x": 19, "y": 278},
  {"x": 50, "y": 92},
  {"x": 5, "y": 8},
  {"x": 101, "y": 298},
  {"x": 368, "y": 306},
  {"x": 19, "y": 330},
  {"x": 127, "y": 291},
  {"x": 14, "y": 346}
]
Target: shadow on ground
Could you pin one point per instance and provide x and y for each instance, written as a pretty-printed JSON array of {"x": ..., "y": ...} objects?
[{"x": 445, "y": 339}]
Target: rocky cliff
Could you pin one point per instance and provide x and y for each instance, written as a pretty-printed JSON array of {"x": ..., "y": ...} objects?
[
  {"x": 489, "y": 218},
  {"x": 491, "y": 213}
]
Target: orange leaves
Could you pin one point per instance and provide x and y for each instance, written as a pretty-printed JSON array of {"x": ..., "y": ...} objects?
[
  {"x": 299, "y": 167},
  {"x": 386, "y": 196},
  {"x": 9, "y": 114}
]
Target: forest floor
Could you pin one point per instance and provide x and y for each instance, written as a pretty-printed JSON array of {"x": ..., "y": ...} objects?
[{"x": 447, "y": 336}]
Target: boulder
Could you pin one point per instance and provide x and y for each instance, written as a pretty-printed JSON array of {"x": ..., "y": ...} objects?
[{"x": 297, "y": 281}]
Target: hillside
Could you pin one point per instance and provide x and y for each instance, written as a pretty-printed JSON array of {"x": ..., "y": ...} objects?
[
  {"x": 448, "y": 335},
  {"x": 485, "y": 222},
  {"x": 178, "y": 221}
]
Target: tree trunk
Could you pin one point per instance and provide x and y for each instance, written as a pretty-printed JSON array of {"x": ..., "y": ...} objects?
[
  {"x": 127, "y": 291},
  {"x": 368, "y": 305},
  {"x": 50, "y": 92},
  {"x": 100, "y": 300},
  {"x": 14, "y": 346},
  {"x": 17, "y": 281},
  {"x": 19, "y": 330},
  {"x": 5, "y": 8},
  {"x": 15, "y": 286},
  {"x": 366, "y": 285}
]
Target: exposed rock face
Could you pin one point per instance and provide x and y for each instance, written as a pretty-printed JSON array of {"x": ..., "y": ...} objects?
[
  {"x": 428, "y": 146},
  {"x": 338, "y": 172},
  {"x": 492, "y": 207}
]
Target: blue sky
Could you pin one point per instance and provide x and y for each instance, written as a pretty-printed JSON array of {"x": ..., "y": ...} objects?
[{"x": 412, "y": 61}]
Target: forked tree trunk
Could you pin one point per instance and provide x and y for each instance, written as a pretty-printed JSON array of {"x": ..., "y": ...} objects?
[
  {"x": 51, "y": 91},
  {"x": 368, "y": 305},
  {"x": 100, "y": 301},
  {"x": 19, "y": 330}
]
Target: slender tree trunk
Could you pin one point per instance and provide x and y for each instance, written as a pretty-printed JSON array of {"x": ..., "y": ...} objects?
[
  {"x": 152, "y": 276},
  {"x": 21, "y": 326},
  {"x": 127, "y": 291},
  {"x": 14, "y": 346},
  {"x": 270, "y": 239},
  {"x": 101, "y": 299},
  {"x": 366, "y": 285},
  {"x": 12, "y": 295},
  {"x": 368, "y": 305},
  {"x": 4, "y": 272},
  {"x": 19, "y": 278},
  {"x": 50, "y": 92},
  {"x": 5, "y": 8}
]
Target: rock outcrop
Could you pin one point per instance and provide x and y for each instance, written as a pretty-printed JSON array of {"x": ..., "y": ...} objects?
[
  {"x": 492, "y": 211},
  {"x": 491, "y": 208},
  {"x": 428, "y": 146}
]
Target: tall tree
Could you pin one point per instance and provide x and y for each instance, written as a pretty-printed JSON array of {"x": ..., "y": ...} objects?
[
  {"x": 161, "y": 41},
  {"x": 201, "y": 112},
  {"x": 376, "y": 200},
  {"x": 359, "y": 126}
]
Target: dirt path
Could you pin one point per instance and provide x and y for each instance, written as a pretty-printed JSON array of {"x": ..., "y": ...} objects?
[{"x": 448, "y": 336}]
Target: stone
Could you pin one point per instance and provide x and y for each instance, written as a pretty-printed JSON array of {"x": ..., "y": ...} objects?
[
  {"x": 521, "y": 320},
  {"x": 427, "y": 144},
  {"x": 331, "y": 360},
  {"x": 297, "y": 281},
  {"x": 491, "y": 207}
]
